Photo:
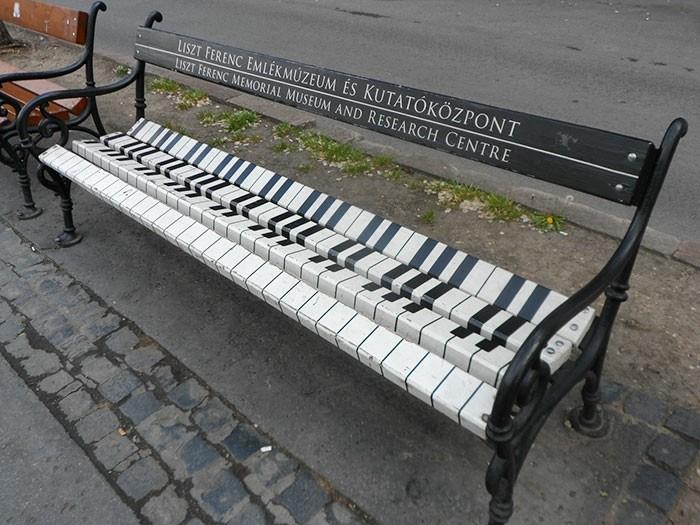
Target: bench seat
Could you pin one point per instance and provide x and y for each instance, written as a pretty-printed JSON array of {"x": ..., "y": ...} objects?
[
  {"x": 25, "y": 90},
  {"x": 427, "y": 332},
  {"x": 446, "y": 387}
]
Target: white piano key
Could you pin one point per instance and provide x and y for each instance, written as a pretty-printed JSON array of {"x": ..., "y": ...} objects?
[
  {"x": 296, "y": 298},
  {"x": 261, "y": 278},
  {"x": 246, "y": 268},
  {"x": 217, "y": 250},
  {"x": 334, "y": 320},
  {"x": 278, "y": 288},
  {"x": 401, "y": 361},
  {"x": 427, "y": 376},
  {"x": 376, "y": 347},
  {"x": 454, "y": 392},
  {"x": 473, "y": 414},
  {"x": 353, "y": 334},
  {"x": 203, "y": 243}
]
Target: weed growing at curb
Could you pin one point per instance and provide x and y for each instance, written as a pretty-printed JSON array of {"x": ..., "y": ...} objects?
[
  {"x": 179, "y": 128},
  {"x": 428, "y": 217}
]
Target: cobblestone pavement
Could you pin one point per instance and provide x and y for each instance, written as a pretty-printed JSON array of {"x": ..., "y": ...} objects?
[
  {"x": 176, "y": 451},
  {"x": 169, "y": 446}
]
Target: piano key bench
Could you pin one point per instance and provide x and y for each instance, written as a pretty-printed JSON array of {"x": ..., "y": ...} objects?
[{"x": 488, "y": 348}]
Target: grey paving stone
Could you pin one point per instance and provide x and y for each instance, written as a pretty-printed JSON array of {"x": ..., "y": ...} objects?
[
  {"x": 197, "y": 454},
  {"x": 166, "y": 509},
  {"x": 15, "y": 289},
  {"x": 250, "y": 514},
  {"x": 77, "y": 405},
  {"x": 10, "y": 329},
  {"x": 164, "y": 377},
  {"x": 140, "y": 406},
  {"x": 119, "y": 386},
  {"x": 644, "y": 407},
  {"x": 188, "y": 394},
  {"x": 656, "y": 487},
  {"x": 34, "y": 307},
  {"x": 145, "y": 358},
  {"x": 97, "y": 425},
  {"x": 40, "y": 363},
  {"x": 305, "y": 498},
  {"x": 610, "y": 391},
  {"x": 122, "y": 341},
  {"x": 55, "y": 382},
  {"x": 69, "y": 389},
  {"x": 270, "y": 474},
  {"x": 100, "y": 327},
  {"x": 194, "y": 521},
  {"x": 70, "y": 297},
  {"x": 142, "y": 478},
  {"x": 76, "y": 346},
  {"x": 633, "y": 512},
  {"x": 685, "y": 422},
  {"x": 113, "y": 449},
  {"x": 5, "y": 311},
  {"x": 222, "y": 494},
  {"x": 243, "y": 441},
  {"x": 166, "y": 429},
  {"x": 99, "y": 369},
  {"x": 20, "y": 347},
  {"x": 123, "y": 465},
  {"x": 215, "y": 419},
  {"x": 56, "y": 328},
  {"x": 36, "y": 270},
  {"x": 673, "y": 453},
  {"x": 50, "y": 284}
]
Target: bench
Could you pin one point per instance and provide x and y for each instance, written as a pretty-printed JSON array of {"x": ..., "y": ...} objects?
[
  {"x": 17, "y": 88},
  {"x": 491, "y": 350}
]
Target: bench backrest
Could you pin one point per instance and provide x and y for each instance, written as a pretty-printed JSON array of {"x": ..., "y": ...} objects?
[
  {"x": 53, "y": 20},
  {"x": 598, "y": 162}
]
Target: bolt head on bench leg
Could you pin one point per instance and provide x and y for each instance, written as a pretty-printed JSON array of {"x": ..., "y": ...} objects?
[
  {"x": 28, "y": 212},
  {"x": 590, "y": 423}
]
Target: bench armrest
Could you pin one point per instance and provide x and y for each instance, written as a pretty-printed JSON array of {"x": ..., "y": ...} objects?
[
  {"x": 85, "y": 57},
  {"x": 616, "y": 271}
]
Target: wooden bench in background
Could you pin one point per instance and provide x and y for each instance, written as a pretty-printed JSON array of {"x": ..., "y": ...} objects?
[
  {"x": 18, "y": 87},
  {"x": 492, "y": 350}
]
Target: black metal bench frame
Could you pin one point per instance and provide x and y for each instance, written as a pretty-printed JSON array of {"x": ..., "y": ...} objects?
[
  {"x": 594, "y": 161},
  {"x": 13, "y": 155}
]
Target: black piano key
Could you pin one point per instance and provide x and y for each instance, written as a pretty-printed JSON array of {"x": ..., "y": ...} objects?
[
  {"x": 389, "y": 276},
  {"x": 410, "y": 285},
  {"x": 423, "y": 252},
  {"x": 369, "y": 229},
  {"x": 509, "y": 291},
  {"x": 433, "y": 294},
  {"x": 533, "y": 303},
  {"x": 340, "y": 248}
]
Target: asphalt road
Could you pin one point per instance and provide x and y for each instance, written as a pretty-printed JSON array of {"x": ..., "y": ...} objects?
[{"x": 629, "y": 65}]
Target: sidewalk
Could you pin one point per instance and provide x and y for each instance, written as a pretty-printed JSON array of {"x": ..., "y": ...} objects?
[{"x": 184, "y": 378}]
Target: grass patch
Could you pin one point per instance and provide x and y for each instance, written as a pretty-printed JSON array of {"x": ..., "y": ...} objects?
[
  {"x": 164, "y": 86},
  {"x": 231, "y": 121},
  {"x": 357, "y": 167},
  {"x": 184, "y": 98},
  {"x": 284, "y": 130},
  {"x": 281, "y": 147},
  {"x": 121, "y": 70},
  {"x": 305, "y": 168},
  {"x": 428, "y": 217},
  {"x": 382, "y": 162}
]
